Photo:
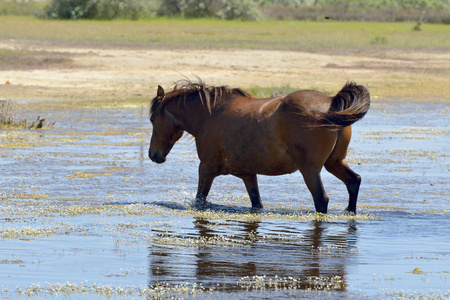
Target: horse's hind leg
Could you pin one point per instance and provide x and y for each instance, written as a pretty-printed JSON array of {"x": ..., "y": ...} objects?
[
  {"x": 310, "y": 153},
  {"x": 251, "y": 184},
  {"x": 352, "y": 180},
  {"x": 337, "y": 166},
  {"x": 315, "y": 186}
]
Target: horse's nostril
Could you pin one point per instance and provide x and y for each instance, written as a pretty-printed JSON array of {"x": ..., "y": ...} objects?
[
  {"x": 152, "y": 156},
  {"x": 156, "y": 158}
]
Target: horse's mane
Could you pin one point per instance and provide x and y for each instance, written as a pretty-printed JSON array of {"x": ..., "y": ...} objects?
[{"x": 209, "y": 96}]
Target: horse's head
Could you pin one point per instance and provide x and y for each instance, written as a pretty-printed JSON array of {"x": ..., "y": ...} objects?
[{"x": 165, "y": 129}]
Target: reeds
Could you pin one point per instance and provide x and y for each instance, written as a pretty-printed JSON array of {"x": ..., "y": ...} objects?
[
  {"x": 7, "y": 118},
  {"x": 6, "y": 115}
]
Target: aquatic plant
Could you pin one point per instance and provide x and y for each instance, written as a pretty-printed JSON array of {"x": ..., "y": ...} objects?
[
  {"x": 158, "y": 291},
  {"x": 6, "y": 116},
  {"x": 318, "y": 283},
  {"x": 14, "y": 233}
]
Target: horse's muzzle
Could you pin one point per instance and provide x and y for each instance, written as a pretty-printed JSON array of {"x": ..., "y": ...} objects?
[{"x": 155, "y": 157}]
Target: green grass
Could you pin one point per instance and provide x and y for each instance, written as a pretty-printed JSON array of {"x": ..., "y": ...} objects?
[{"x": 314, "y": 36}]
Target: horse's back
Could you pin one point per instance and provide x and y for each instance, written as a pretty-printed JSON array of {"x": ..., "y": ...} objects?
[
  {"x": 308, "y": 100},
  {"x": 251, "y": 107}
]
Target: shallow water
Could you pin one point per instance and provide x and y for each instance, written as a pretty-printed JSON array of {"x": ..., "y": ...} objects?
[{"x": 83, "y": 212}]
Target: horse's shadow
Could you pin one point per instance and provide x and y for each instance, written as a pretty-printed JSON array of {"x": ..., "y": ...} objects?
[{"x": 221, "y": 208}]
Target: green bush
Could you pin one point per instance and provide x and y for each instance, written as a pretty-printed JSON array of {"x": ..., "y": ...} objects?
[
  {"x": 239, "y": 9},
  {"x": 94, "y": 9},
  {"x": 186, "y": 8},
  {"x": 224, "y": 9}
]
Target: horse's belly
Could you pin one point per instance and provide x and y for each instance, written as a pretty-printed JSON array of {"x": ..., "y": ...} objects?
[
  {"x": 250, "y": 147},
  {"x": 279, "y": 169},
  {"x": 256, "y": 164}
]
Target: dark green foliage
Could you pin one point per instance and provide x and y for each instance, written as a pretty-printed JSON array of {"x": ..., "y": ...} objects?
[
  {"x": 94, "y": 9},
  {"x": 224, "y": 9}
]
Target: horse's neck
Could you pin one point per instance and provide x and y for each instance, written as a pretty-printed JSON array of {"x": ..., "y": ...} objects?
[{"x": 189, "y": 115}]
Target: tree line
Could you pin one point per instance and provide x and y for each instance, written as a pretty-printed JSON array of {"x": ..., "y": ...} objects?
[{"x": 230, "y": 9}]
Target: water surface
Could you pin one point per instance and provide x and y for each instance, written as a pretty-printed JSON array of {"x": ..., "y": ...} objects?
[{"x": 83, "y": 212}]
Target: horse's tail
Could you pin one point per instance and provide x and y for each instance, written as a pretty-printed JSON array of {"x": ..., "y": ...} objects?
[{"x": 348, "y": 106}]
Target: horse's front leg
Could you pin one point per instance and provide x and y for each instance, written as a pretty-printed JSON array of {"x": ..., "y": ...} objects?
[
  {"x": 205, "y": 180},
  {"x": 251, "y": 184}
]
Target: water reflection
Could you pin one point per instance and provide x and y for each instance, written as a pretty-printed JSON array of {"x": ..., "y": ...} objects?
[
  {"x": 315, "y": 250},
  {"x": 223, "y": 262}
]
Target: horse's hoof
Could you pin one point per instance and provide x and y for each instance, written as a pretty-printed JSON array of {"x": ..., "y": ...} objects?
[
  {"x": 350, "y": 212},
  {"x": 256, "y": 209},
  {"x": 200, "y": 204},
  {"x": 322, "y": 211}
]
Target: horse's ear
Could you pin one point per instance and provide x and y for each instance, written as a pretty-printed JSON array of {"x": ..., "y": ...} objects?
[{"x": 160, "y": 93}]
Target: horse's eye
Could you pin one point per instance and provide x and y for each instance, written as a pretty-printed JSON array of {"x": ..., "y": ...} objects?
[{"x": 152, "y": 119}]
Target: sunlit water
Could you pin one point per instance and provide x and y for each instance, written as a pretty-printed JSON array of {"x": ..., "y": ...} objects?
[{"x": 83, "y": 212}]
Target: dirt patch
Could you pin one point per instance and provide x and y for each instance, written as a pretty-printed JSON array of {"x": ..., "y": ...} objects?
[
  {"x": 31, "y": 60},
  {"x": 69, "y": 74}
]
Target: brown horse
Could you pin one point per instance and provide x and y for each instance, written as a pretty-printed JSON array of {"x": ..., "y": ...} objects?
[{"x": 239, "y": 134}]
